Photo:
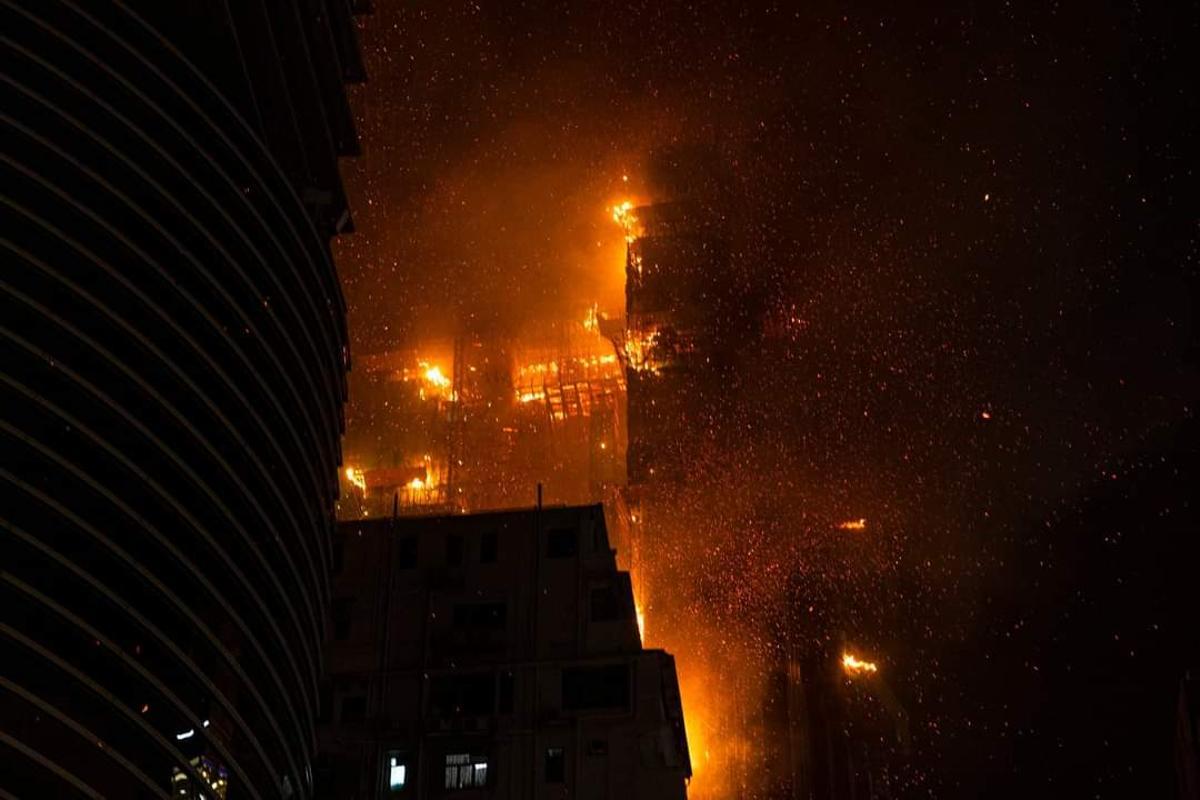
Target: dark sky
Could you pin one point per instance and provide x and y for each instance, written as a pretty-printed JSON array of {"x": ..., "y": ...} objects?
[{"x": 976, "y": 229}]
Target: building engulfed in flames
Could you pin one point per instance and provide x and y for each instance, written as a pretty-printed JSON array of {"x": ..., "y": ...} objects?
[
  {"x": 805, "y": 723},
  {"x": 478, "y": 423},
  {"x": 621, "y": 409}
]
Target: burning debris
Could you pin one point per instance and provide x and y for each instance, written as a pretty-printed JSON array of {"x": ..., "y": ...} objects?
[{"x": 853, "y": 665}]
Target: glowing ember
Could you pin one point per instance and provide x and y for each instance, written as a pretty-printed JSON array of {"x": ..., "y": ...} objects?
[
  {"x": 855, "y": 666},
  {"x": 853, "y": 525}
]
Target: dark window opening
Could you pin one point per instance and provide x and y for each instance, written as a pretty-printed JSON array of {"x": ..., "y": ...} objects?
[
  {"x": 454, "y": 551},
  {"x": 480, "y": 616},
  {"x": 463, "y": 695},
  {"x": 489, "y": 547},
  {"x": 354, "y": 708},
  {"x": 339, "y": 553},
  {"x": 343, "y": 618},
  {"x": 586, "y": 688},
  {"x": 325, "y": 702},
  {"x": 562, "y": 543},
  {"x": 556, "y": 765},
  {"x": 507, "y": 687},
  {"x": 406, "y": 556},
  {"x": 608, "y": 605}
]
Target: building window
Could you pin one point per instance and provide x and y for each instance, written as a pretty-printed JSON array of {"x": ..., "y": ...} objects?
[
  {"x": 556, "y": 765},
  {"x": 339, "y": 553},
  {"x": 607, "y": 605},
  {"x": 480, "y": 616},
  {"x": 464, "y": 771},
  {"x": 507, "y": 687},
  {"x": 354, "y": 708},
  {"x": 406, "y": 557},
  {"x": 343, "y": 617},
  {"x": 562, "y": 543},
  {"x": 472, "y": 695},
  {"x": 397, "y": 772},
  {"x": 454, "y": 551},
  {"x": 489, "y": 547},
  {"x": 586, "y": 688}
]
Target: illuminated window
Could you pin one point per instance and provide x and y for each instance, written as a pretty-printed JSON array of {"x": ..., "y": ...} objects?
[
  {"x": 397, "y": 772},
  {"x": 464, "y": 771}
]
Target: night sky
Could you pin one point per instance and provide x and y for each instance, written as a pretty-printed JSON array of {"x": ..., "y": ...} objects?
[{"x": 974, "y": 232}]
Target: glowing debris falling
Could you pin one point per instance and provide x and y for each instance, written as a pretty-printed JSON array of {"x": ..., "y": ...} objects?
[{"x": 856, "y": 666}]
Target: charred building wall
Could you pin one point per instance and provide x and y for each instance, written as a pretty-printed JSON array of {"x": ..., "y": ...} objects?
[{"x": 688, "y": 321}]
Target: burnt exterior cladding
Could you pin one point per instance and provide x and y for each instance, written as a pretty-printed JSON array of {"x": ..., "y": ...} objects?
[
  {"x": 172, "y": 375},
  {"x": 494, "y": 655}
]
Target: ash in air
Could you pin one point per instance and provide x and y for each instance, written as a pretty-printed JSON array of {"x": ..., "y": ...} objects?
[{"x": 870, "y": 327}]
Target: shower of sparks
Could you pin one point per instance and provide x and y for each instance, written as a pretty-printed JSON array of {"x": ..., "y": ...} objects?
[{"x": 972, "y": 313}]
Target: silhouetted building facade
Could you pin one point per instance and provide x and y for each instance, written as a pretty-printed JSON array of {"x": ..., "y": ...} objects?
[
  {"x": 494, "y": 655},
  {"x": 174, "y": 355},
  {"x": 687, "y": 323},
  {"x": 1187, "y": 739}
]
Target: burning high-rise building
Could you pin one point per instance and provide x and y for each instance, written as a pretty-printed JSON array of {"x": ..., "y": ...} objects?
[
  {"x": 174, "y": 360},
  {"x": 795, "y": 718},
  {"x": 478, "y": 422}
]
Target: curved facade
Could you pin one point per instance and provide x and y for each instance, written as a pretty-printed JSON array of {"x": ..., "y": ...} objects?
[{"x": 172, "y": 373}]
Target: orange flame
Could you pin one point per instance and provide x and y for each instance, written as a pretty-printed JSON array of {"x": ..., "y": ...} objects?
[
  {"x": 435, "y": 376},
  {"x": 623, "y": 215},
  {"x": 591, "y": 321},
  {"x": 855, "y": 666},
  {"x": 859, "y": 524},
  {"x": 357, "y": 479}
]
